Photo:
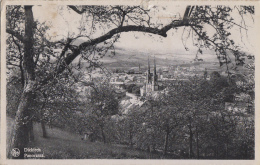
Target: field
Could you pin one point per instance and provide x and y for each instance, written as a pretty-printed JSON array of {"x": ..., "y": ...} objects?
[
  {"x": 127, "y": 59},
  {"x": 65, "y": 145}
]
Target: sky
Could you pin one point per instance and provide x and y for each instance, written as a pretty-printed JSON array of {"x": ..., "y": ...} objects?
[{"x": 64, "y": 22}]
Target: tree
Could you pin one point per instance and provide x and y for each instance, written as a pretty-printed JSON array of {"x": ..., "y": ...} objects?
[
  {"x": 129, "y": 126},
  {"x": 36, "y": 57},
  {"x": 104, "y": 105},
  {"x": 130, "y": 87},
  {"x": 136, "y": 90},
  {"x": 58, "y": 102},
  {"x": 13, "y": 92},
  {"x": 165, "y": 115}
]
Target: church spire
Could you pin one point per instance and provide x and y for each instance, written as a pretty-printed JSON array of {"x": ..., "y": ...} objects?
[
  {"x": 149, "y": 74},
  {"x": 154, "y": 72},
  {"x": 154, "y": 65},
  {"x": 149, "y": 64}
]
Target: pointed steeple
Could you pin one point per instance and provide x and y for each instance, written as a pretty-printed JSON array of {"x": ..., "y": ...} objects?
[
  {"x": 149, "y": 75},
  {"x": 154, "y": 72},
  {"x": 149, "y": 64},
  {"x": 154, "y": 65}
]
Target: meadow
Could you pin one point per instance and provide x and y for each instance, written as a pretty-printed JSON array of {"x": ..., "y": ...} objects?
[{"x": 61, "y": 144}]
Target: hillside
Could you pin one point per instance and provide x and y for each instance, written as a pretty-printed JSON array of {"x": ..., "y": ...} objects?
[
  {"x": 131, "y": 58},
  {"x": 128, "y": 59},
  {"x": 61, "y": 144}
]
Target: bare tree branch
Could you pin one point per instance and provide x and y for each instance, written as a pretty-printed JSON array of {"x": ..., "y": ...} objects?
[
  {"x": 16, "y": 34},
  {"x": 77, "y": 10},
  {"x": 110, "y": 34}
]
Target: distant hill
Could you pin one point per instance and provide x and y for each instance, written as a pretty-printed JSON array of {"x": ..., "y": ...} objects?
[{"x": 131, "y": 58}]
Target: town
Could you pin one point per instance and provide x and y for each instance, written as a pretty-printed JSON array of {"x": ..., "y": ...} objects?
[
  {"x": 139, "y": 82},
  {"x": 143, "y": 81}
]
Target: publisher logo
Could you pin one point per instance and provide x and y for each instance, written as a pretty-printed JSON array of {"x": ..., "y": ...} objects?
[{"x": 15, "y": 152}]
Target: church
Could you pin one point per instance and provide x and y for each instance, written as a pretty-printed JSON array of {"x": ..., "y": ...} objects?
[{"x": 151, "y": 83}]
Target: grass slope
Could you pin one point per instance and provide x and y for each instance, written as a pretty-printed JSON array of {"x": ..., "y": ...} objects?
[{"x": 65, "y": 145}]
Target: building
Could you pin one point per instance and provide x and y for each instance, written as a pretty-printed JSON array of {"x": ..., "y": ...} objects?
[
  {"x": 151, "y": 83},
  {"x": 120, "y": 93}
]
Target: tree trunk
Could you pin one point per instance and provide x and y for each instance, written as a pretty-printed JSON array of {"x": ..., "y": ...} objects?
[
  {"x": 190, "y": 141},
  {"x": 197, "y": 143},
  {"x": 30, "y": 124},
  {"x": 226, "y": 150},
  {"x": 166, "y": 142},
  {"x": 131, "y": 138},
  {"x": 153, "y": 147},
  {"x": 41, "y": 117},
  {"x": 44, "y": 133},
  {"x": 30, "y": 127},
  {"x": 216, "y": 152},
  {"x": 103, "y": 134},
  {"x": 216, "y": 156},
  {"x": 153, "y": 143},
  {"x": 20, "y": 133},
  {"x": 245, "y": 148}
]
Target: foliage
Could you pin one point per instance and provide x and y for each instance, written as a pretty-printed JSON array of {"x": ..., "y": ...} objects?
[
  {"x": 189, "y": 112},
  {"x": 189, "y": 120},
  {"x": 104, "y": 104}
]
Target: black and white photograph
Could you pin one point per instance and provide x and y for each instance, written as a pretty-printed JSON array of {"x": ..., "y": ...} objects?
[{"x": 134, "y": 80}]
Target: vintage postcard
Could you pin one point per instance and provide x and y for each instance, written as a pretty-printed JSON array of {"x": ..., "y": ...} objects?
[{"x": 146, "y": 82}]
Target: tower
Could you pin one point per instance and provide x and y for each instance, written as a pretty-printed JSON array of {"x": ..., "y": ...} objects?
[
  {"x": 151, "y": 80},
  {"x": 149, "y": 75},
  {"x": 155, "y": 78}
]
